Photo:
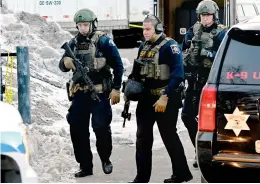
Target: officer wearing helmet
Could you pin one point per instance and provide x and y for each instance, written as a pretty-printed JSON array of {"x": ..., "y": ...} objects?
[
  {"x": 98, "y": 52},
  {"x": 199, "y": 47},
  {"x": 154, "y": 82}
]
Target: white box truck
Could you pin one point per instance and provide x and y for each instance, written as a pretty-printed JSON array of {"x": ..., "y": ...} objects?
[{"x": 112, "y": 14}]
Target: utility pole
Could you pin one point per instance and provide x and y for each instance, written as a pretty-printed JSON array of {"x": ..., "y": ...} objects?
[{"x": 23, "y": 80}]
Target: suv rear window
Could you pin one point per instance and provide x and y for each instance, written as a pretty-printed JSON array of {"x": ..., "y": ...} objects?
[{"x": 241, "y": 64}]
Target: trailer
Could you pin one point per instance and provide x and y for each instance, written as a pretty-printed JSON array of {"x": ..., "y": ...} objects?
[
  {"x": 112, "y": 14},
  {"x": 119, "y": 17}
]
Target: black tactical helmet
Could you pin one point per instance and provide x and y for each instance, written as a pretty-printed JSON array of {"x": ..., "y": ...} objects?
[{"x": 133, "y": 90}]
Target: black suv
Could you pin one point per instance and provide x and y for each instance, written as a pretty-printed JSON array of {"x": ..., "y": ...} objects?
[{"x": 228, "y": 140}]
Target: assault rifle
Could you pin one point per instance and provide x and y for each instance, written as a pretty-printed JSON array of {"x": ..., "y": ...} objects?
[
  {"x": 194, "y": 58},
  {"x": 81, "y": 72},
  {"x": 125, "y": 113}
]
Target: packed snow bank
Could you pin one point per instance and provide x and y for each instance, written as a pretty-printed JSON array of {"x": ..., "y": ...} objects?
[
  {"x": 4, "y": 8},
  {"x": 44, "y": 40}
]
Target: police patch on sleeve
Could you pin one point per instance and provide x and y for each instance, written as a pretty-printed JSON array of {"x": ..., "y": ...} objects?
[
  {"x": 112, "y": 43},
  {"x": 175, "y": 49}
]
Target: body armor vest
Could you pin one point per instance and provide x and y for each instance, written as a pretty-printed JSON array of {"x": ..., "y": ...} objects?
[
  {"x": 151, "y": 67},
  {"x": 206, "y": 42},
  {"x": 86, "y": 51},
  {"x": 151, "y": 71},
  {"x": 193, "y": 62}
]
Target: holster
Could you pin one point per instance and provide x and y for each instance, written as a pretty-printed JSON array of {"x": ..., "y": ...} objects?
[{"x": 107, "y": 85}]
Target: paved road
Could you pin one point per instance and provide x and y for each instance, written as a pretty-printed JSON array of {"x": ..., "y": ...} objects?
[{"x": 123, "y": 159}]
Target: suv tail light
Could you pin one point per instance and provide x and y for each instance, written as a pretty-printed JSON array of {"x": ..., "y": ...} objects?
[{"x": 207, "y": 110}]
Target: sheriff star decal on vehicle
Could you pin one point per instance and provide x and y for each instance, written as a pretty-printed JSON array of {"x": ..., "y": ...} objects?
[
  {"x": 175, "y": 49},
  {"x": 237, "y": 121}
]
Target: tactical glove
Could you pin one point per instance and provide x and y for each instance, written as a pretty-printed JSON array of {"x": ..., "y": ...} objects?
[
  {"x": 68, "y": 62},
  {"x": 206, "y": 53},
  {"x": 114, "y": 96},
  {"x": 160, "y": 105}
]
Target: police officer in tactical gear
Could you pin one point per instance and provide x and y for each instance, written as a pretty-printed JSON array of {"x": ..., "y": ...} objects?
[
  {"x": 200, "y": 46},
  {"x": 159, "y": 69},
  {"x": 98, "y": 52}
]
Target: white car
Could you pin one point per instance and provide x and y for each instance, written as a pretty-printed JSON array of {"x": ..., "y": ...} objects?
[{"x": 15, "y": 167}]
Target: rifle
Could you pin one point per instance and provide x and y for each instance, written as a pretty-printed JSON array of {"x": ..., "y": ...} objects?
[
  {"x": 81, "y": 72},
  {"x": 125, "y": 113},
  {"x": 194, "y": 57}
]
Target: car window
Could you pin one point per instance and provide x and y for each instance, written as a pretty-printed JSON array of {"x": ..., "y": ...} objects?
[
  {"x": 241, "y": 62},
  {"x": 249, "y": 10},
  {"x": 240, "y": 11}
]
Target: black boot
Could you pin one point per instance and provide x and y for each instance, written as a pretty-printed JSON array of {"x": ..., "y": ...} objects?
[
  {"x": 81, "y": 173},
  {"x": 107, "y": 167},
  {"x": 177, "y": 179}
]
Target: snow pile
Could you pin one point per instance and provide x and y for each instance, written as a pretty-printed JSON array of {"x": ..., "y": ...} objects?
[
  {"x": 4, "y": 8},
  {"x": 43, "y": 39}
]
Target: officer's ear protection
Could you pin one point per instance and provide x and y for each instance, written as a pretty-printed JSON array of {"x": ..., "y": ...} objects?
[{"x": 159, "y": 28}]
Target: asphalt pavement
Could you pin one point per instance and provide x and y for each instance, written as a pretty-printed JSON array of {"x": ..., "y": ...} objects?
[{"x": 123, "y": 159}]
